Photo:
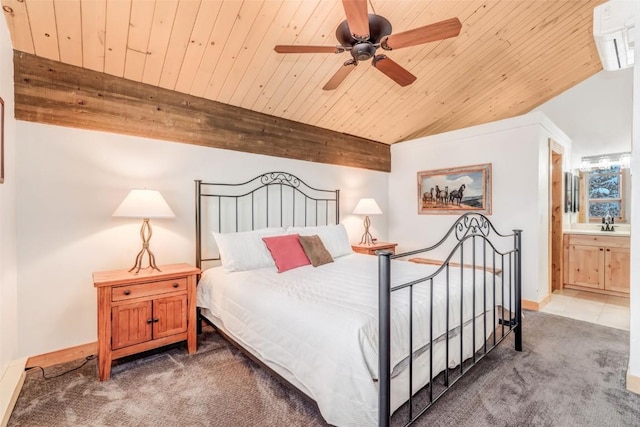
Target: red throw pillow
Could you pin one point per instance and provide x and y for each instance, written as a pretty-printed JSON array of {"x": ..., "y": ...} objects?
[{"x": 286, "y": 252}]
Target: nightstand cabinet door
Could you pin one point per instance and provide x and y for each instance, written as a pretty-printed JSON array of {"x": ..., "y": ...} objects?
[
  {"x": 131, "y": 324},
  {"x": 170, "y": 316}
]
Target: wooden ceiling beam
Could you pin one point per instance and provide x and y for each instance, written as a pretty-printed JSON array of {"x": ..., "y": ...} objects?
[{"x": 51, "y": 92}]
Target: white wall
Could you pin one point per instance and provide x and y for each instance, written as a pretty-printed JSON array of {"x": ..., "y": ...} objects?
[
  {"x": 8, "y": 280},
  {"x": 595, "y": 114},
  {"x": 69, "y": 183},
  {"x": 11, "y": 367},
  {"x": 634, "y": 355},
  {"x": 518, "y": 151}
]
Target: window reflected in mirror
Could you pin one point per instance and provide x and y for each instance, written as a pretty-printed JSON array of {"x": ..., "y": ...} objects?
[{"x": 605, "y": 193}]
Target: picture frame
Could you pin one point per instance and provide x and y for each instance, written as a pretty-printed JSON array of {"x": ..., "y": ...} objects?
[
  {"x": 457, "y": 190},
  {"x": 1, "y": 140},
  {"x": 568, "y": 192}
]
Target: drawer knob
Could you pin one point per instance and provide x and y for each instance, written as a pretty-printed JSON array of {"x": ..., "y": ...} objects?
[
  {"x": 175, "y": 285},
  {"x": 127, "y": 292}
]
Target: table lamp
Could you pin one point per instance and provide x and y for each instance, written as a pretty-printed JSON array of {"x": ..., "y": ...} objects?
[
  {"x": 145, "y": 204},
  {"x": 367, "y": 207}
]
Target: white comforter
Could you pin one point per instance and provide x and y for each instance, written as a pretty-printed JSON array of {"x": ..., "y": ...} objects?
[{"x": 321, "y": 324}]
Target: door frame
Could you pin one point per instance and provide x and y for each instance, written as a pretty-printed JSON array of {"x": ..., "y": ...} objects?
[{"x": 556, "y": 216}]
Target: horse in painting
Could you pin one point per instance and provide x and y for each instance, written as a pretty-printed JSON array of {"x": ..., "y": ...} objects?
[
  {"x": 427, "y": 197},
  {"x": 457, "y": 194}
]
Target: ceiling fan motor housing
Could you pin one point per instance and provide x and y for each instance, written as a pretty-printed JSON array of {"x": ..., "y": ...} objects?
[{"x": 379, "y": 27}]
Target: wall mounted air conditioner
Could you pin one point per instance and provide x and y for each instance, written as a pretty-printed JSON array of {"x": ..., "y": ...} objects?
[{"x": 613, "y": 30}]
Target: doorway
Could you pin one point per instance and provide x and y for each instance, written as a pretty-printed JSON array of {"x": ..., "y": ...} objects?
[{"x": 606, "y": 310}]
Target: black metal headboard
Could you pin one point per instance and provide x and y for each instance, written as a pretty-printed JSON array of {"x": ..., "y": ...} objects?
[{"x": 273, "y": 199}]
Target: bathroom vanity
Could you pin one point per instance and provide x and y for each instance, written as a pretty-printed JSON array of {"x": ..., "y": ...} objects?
[{"x": 597, "y": 261}]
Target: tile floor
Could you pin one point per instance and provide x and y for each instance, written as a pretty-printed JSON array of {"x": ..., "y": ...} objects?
[{"x": 591, "y": 307}]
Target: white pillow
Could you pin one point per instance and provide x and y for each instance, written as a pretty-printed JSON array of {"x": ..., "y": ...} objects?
[
  {"x": 334, "y": 238},
  {"x": 245, "y": 250}
]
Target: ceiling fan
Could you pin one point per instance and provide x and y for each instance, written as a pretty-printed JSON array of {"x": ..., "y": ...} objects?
[{"x": 362, "y": 33}]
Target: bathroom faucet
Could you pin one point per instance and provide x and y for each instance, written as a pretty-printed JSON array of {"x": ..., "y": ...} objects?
[{"x": 608, "y": 223}]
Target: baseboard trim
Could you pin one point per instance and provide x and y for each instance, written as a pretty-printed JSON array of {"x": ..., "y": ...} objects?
[
  {"x": 63, "y": 356},
  {"x": 535, "y": 305},
  {"x": 10, "y": 387},
  {"x": 633, "y": 383}
]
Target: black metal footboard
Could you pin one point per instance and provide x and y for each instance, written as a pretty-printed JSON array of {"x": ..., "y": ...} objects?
[{"x": 478, "y": 250}]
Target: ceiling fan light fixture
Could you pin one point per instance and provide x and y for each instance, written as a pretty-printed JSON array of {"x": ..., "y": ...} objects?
[{"x": 363, "y": 51}]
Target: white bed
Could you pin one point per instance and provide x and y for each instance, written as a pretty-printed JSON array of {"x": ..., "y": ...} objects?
[{"x": 318, "y": 326}]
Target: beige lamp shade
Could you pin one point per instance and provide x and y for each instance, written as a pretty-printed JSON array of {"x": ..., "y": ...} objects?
[
  {"x": 144, "y": 204},
  {"x": 367, "y": 207}
]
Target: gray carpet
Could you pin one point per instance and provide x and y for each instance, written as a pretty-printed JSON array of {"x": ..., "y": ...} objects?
[{"x": 571, "y": 373}]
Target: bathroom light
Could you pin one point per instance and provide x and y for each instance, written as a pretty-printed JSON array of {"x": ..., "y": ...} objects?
[{"x": 605, "y": 161}]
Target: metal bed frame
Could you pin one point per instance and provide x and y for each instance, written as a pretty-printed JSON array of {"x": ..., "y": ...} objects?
[
  {"x": 271, "y": 198},
  {"x": 474, "y": 230},
  {"x": 315, "y": 206}
]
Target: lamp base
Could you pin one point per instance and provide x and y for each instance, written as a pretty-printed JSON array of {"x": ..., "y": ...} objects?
[
  {"x": 367, "y": 239},
  {"x": 145, "y": 234}
]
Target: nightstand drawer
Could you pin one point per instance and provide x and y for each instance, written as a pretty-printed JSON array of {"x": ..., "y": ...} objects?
[{"x": 122, "y": 293}]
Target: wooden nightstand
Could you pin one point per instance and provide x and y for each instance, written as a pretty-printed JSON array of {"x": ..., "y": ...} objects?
[
  {"x": 372, "y": 248},
  {"x": 139, "y": 312}
]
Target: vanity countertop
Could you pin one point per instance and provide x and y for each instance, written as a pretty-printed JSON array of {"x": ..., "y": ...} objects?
[{"x": 621, "y": 231}]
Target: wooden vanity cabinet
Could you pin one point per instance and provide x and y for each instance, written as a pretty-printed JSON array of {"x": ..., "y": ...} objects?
[{"x": 597, "y": 263}]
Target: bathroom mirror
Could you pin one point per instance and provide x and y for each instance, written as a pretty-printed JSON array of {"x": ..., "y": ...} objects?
[{"x": 601, "y": 190}]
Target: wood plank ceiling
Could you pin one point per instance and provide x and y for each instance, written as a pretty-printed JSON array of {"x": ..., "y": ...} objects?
[{"x": 510, "y": 56}]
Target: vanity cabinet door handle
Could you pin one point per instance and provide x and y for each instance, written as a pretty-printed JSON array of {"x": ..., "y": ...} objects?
[{"x": 608, "y": 250}]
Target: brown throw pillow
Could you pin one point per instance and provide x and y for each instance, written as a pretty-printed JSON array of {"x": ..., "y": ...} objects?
[{"x": 315, "y": 250}]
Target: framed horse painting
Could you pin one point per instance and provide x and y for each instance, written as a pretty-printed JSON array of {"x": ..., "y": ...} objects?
[{"x": 455, "y": 190}]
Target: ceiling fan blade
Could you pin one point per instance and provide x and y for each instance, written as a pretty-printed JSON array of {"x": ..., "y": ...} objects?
[
  {"x": 339, "y": 77},
  {"x": 393, "y": 70},
  {"x": 357, "y": 18},
  {"x": 306, "y": 49},
  {"x": 429, "y": 33}
]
